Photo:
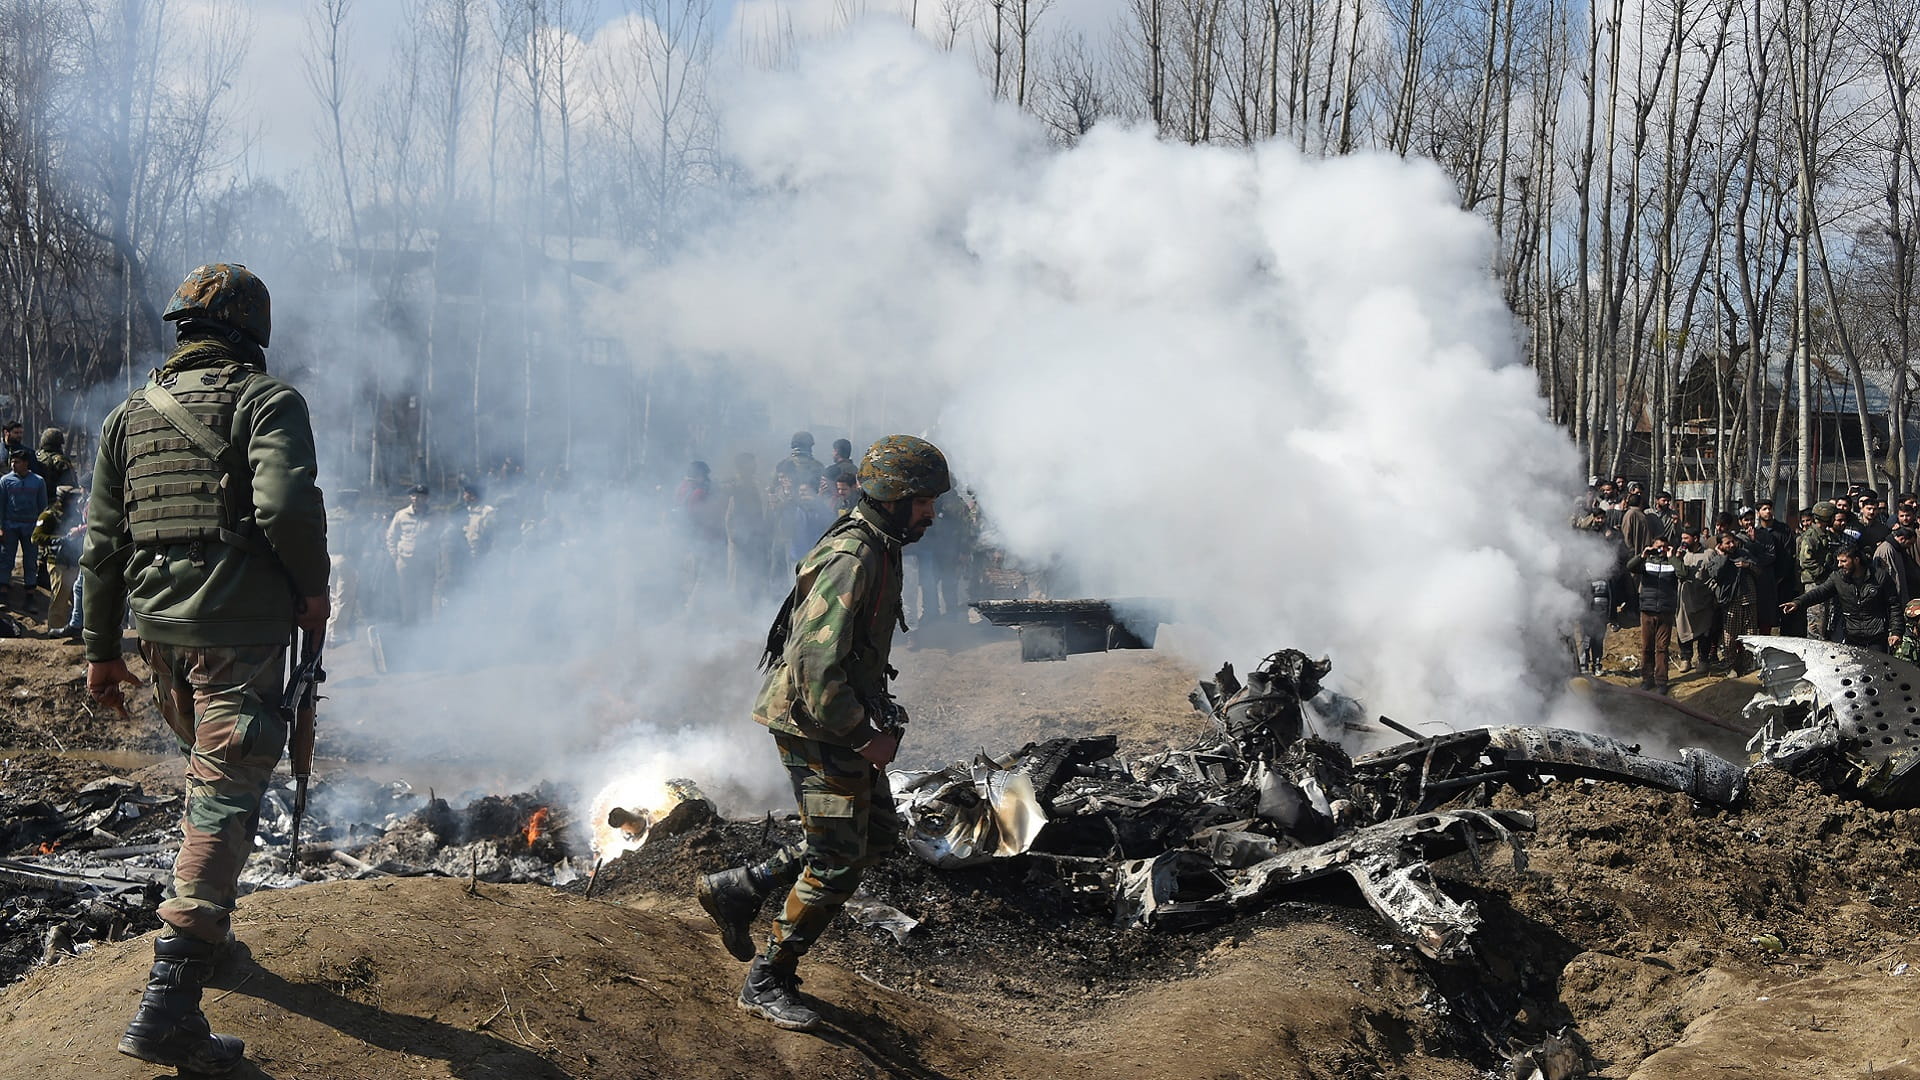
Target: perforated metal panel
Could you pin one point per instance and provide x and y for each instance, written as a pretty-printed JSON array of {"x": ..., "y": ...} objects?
[{"x": 1873, "y": 699}]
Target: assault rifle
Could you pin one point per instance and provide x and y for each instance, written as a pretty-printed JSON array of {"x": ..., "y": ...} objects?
[{"x": 298, "y": 705}]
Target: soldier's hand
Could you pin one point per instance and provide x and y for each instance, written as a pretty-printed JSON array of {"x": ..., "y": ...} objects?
[
  {"x": 103, "y": 683},
  {"x": 1789, "y": 607},
  {"x": 881, "y": 748},
  {"x": 1893, "y": 640},
  {"x": 313, "y": 613}
]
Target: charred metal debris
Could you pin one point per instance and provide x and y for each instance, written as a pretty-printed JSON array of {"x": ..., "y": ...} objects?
[
  {"x": 1057, "y": 629},
  {"x": 1847, "y": 719},
  {"x": 92, "y": 867},
  {"x": 1196, "y": 836}
]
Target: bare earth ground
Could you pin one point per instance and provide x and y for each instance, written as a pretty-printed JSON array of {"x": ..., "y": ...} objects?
[{"x": 1674, "y": 941}]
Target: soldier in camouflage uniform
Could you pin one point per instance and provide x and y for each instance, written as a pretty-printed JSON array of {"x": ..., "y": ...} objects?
[
  {"x": 1814, "y": 555},
  {"x": 799, "y": 468},
  {"x": 836, "y": 726},
  {"x": 51, "y": 460},
  {"x": 1909, "y": 647},
  {"x": 220, "y": 550}
]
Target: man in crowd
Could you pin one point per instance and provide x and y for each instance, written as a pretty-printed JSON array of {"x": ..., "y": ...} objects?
[
  {"x": 1730, "y": 573},
  {"x": 14, "y": 434},
  {"x": 835, "y": 724},
  {"x": 1660, "y": 574},
  {"x": 51, "y": 460},
  {"x": 60, "y": 533},
  {"x": 1814, "y": 555},
  {"x": 1873, "y": 526},
  {"x": 1764, "y": 550},
  {"x": 1665, "y": 517},
  {"x": 1696, "y": 621},
  {"x": 1892, "y": 559},
  {"x": 843, "y": 464},
  {"x": 1909, "y": 647},
  {"x": 804, "y": 515},
  {"x": 749, "y": 531},
  {"x": 1869, "y": 606},
  {"x": 23, "y": 497},
  {"x": 846, "y": 492},
  {"x": 800, "y": 469},
  {"x": 219, "y": 550},
  {"x": 1635, "y": 527},
  {"x": 481, "y": 517},
  {"x": 415, "y": 541}
]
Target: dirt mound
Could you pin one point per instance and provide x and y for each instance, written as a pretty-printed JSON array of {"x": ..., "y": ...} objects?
[
  {"x": 421, "y": 977},
  {"x": 1656, "y": 911}
]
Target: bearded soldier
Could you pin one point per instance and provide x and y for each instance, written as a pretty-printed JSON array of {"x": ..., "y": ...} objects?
[
  {"x": 206, "y": 522},
  {"x": 836, "y": 726}
]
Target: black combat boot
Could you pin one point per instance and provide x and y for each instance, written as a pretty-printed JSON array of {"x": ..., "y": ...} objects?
[
  {"x": 773, "y": 993},
  {"x": 170, "y": 1029},
  {"x": 733, "y": 899}
]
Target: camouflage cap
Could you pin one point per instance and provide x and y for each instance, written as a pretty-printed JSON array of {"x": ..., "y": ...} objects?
[
  {"x": 903, "y": 467},
  {"x": 1913, "y": 609},
  {"x": 228, "y": 294},
  {"x": 1823, "y": 510}
]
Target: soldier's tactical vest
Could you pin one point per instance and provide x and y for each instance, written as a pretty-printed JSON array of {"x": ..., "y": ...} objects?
[{"x": 177, "y": 488}]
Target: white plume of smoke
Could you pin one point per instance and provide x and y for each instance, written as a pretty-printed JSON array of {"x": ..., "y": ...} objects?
[{"x": 1281, "y": 392}]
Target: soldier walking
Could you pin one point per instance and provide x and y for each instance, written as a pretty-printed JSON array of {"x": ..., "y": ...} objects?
[
  {"x": 206, "y": 522},
  {"x": 835, "y": 724}
]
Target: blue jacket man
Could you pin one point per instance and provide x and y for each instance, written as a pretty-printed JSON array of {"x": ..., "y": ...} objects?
[{"x": 22, "y": 497}]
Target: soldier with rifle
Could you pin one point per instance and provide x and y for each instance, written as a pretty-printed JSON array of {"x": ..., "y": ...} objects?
[
  {"x": 835, "y": 724},
  {"x": 205, "y": 521}
]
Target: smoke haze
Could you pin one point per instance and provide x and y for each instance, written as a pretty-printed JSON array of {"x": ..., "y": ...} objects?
[{"x": 1281, "y": 393}]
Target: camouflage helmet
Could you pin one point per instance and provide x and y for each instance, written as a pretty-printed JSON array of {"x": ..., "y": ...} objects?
[
  {"x": 228, "y": 294},
  {"x": 904, "y": 467},
  {"x": 1913, "y": 609}
]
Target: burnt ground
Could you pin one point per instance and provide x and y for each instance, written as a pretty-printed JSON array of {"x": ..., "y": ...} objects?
[{"x": 1667, "y": 939}]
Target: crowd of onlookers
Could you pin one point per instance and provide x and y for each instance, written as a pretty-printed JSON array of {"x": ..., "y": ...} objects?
[
  {"x": 749, "y": 530},
  {"x": 1846, "y": 569},
  {"x": 732, "y": 540},
  {"x": 43, "y": 524}
]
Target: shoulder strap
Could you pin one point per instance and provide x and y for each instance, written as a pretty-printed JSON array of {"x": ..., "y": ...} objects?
[
  {"x": 782, "y": 626},
  {"x": 197, "y": 433}
]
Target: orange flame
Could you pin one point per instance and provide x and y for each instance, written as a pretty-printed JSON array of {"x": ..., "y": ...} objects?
[
  {"x": 536, "y": 825},
  {"x": 49, "y": 848}
]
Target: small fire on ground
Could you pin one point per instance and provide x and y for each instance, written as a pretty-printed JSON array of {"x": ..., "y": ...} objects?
[{"x": 537, "y": 825}]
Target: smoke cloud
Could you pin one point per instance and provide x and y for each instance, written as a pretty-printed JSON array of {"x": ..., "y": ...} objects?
[{"x": 1281, "y": 394}]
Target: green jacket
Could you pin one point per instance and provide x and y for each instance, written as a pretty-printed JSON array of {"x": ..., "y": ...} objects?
[
  {"x": 227, "y": 596},
  {"x": 1814, "y": 554},
  {"x": 840, "y": 634}
]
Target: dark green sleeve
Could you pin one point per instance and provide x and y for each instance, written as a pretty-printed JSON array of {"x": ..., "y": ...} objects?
[
  {"x": 103, "y": 561},
  {"x": 287, "y": 503}
]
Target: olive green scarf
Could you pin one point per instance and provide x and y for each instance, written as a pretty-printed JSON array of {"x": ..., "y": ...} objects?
[{"x": 212, "y": 352}]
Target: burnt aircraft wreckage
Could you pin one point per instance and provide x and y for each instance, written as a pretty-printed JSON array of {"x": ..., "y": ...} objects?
[
  {"x": 1195, "y": 836},
  {"x": 1847, "y": 719}
]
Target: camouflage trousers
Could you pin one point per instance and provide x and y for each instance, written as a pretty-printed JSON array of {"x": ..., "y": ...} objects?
[
  {"x": 846, "y": 810},
  {"x": 222, "y": 704}
]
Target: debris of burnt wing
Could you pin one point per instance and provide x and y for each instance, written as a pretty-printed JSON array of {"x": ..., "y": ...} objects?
[
  {"x": 1201, "y": 835},
  {"x": 1057, "y": 629},
  {"x": 1845, "y": 718}
]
